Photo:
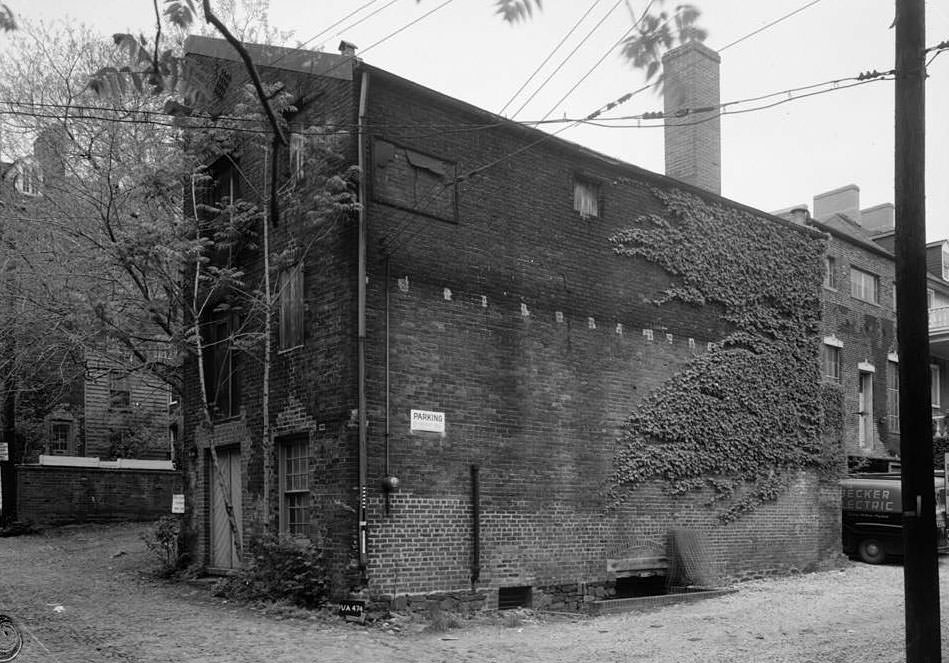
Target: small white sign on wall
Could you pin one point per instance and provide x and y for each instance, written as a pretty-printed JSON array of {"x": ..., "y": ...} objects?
[
  {"x": 428, "y": 421},
  {"x": 177, "y": 503}
]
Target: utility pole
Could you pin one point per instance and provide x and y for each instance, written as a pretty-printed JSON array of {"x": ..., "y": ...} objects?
[{"x": 920, "y": 564}]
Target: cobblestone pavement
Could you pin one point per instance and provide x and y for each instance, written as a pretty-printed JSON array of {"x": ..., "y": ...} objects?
[{"x": 85, "y": 594}]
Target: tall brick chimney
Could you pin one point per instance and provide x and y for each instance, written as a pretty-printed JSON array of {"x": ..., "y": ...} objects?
[{"x": 694, "y": 139}]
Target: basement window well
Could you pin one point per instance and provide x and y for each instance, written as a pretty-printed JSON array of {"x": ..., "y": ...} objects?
[{"x": 511, "y": 598}]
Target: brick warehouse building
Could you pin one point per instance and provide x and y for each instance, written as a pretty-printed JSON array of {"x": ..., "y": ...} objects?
[{"x": 490, "y": 364}]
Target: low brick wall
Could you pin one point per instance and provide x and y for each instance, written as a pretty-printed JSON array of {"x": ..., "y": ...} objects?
[{"x": 64, "y": 495}]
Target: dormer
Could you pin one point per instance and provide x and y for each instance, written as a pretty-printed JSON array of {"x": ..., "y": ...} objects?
[{"x": 937, "y": 259}]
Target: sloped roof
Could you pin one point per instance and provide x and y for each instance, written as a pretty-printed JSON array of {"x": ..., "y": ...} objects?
[{"x": 843, "y": 227}]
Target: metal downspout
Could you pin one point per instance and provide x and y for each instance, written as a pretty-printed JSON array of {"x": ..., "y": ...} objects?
[{"x": 362, "y": 529}]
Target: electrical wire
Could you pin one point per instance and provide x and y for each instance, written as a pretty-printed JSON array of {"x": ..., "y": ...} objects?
[
  {"x": 605, "y": 55},
  {"x": 769, "y": 25},
  {"x": 389, "y": 243},
  {"x": 406, "y": 26},
  {"x": 567, "y": 58},
  {"x": 549, "y": 55}
]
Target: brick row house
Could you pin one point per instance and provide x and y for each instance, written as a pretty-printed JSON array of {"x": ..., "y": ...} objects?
[
  {"x": 859, "y": 348},
  {"x": 456, "y": 362}
]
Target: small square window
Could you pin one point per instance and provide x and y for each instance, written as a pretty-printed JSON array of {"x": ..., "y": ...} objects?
[{"x": 586, "y": 199}]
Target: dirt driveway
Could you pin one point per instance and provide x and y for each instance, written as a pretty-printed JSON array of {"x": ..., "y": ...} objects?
[{"x": 84, "y": 594}]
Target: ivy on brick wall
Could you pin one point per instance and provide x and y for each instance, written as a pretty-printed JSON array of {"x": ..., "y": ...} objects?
[{"x": 739, "y": 418}]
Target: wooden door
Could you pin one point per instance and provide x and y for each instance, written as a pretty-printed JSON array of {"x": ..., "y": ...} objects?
[{"x": 223, "y": 548}]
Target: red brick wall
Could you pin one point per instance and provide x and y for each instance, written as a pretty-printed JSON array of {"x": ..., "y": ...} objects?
[{"x": 62, "y": 495}]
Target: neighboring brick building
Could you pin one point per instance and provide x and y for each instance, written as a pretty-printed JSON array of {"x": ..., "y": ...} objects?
[
  {"x": 860, "y": 350},
  {"x": 72, "y": 400},
  {"x": 504, "y": 345}
]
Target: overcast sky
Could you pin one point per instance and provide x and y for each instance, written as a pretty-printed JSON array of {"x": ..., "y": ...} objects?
[{"x": 771, "y": 158}]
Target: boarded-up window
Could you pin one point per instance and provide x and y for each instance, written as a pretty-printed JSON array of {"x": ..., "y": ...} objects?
[
  {"x": 411, "y": 180},
  {"x": 297, "y": 152},
  {"x": 586, "y": 199},
  {"x": 291, "y": 307},
  {"x": 222, "y": 380}
]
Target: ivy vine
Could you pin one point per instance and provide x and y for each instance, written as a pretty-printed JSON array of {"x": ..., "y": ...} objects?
[{"x": 739, "y": 418}]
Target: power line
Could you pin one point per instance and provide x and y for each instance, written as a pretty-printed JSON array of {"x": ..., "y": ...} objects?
[
  {"x": 550, "y": 55},
  {"x": 862, "y": 79},
  {"x": 605, "y": 55},
  {"x": 407, "y": 25},
  {"x": 566, "y": 59},
  {"x": 771, "y": 24}
]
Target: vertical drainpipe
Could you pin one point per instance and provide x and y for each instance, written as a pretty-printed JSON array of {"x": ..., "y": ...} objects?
[
  {"x": 362, "y": 529},
  {"x": 388, "y": 474}
]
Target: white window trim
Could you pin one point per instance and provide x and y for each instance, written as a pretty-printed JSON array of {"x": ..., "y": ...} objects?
[
  {"x": 834, "y": 341},
  {"x": 866, "y": 367}
]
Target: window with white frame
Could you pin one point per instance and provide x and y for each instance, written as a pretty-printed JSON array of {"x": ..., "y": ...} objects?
[
  {"x": 935, "y": 393},
  {"x": 831, "y": 361},
  {"x": 893, "y": 396},
  {"x": 294, "y": 486},
  {"x": 930, "y": 297},
  {"x": 864, "y": 286},
  {"x": 60, "y": 437},
  {"x": 830, "y": 272},
  {"x": 586, "y": 198},
  {"x": 945, "y": 261}
]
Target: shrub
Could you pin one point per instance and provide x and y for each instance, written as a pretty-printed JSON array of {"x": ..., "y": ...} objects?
[
  {"x": 280, "y": 568},
  {"x": 162, "y": 540}
]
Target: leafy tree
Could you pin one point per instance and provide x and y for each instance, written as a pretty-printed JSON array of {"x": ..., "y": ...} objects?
[{"x": 7, "y": 21}]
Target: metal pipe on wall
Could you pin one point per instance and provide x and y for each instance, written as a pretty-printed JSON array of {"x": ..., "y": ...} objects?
[
  {"x": 362, "y": 527},
  {"x": 475, "y": 524}
]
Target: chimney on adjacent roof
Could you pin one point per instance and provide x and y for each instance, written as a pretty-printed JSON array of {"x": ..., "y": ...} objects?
[
  {"x": 845, "y": 200},
  {"x": 693, "y": 133},
  {"x": 798, "y": 214},
  {"x": 879, "y": 218},
  {"x": 347, "y": 48}
]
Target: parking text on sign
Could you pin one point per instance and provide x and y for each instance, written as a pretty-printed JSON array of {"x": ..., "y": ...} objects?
[{"x": 425, "y": 420}]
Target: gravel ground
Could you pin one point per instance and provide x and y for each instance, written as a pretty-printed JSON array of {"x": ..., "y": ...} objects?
[{"x": 86, "y": 594}]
